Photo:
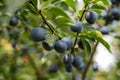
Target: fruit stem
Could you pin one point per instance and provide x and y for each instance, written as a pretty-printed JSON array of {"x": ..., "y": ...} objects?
[
  {"x": 90, "y": 61},
  {"x": 75, "y": 42},
  {"x": 52, "y": 29}
]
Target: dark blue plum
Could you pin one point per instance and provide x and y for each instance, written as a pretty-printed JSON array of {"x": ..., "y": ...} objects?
[
  {"x": 46, "y": 46},
  {"x": 38, "y": 34},
  {"x": 69, "y": 67},
  {"x": 76, "y": 78},
  {"x": 107, "y": 17},
  {"x": 114, "y": 2},
  {"x": 82, "y": 66},
  {"x": 77, "y": 61},
  {"x": 53, "y": 68},
  {"x": 95, "y": 67},
  {"x": 68, "y": 58},
  {"x": 68, "y": 41},
  {"x": 105, "y": 30},
  {"x": 25, "y": 48},
  {"x": 78, "y": 27},
  {"x": 116, "y": 13},
  {"x": 60, "y": 46},
  {"x": 14, "y": 21},
  {"x": 91, "y": 17},
  {"x": 14, "y": 44}
]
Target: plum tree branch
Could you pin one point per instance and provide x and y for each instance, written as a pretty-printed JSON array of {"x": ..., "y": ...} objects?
[
  {"x": 90, "y": 61},
  {"x": 50, "y": 27}
]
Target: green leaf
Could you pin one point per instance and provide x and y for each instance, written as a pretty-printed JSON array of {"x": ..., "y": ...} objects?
[
  {"x": 104, "y": 1},
  {"x": 81, "y": 12},
  {"x": 32, "y": 8},
  {"x": 84, "y": 36},
  {"x": 34, "y": 2},
  {"x": 97, "y": 36},
  {"x": 86, "y": 1},
  {"x": 87, "y": 46},
  {"x": 71, "y": 3},
  {"x": 56, "y": 11},
  {"x": 97, "y": 11},
  {"x": 99, "y": 5},
  {"x": 38, "y": 4},
  {"x": 64, "y": 25},
  {"x": 118, "y": 37}
]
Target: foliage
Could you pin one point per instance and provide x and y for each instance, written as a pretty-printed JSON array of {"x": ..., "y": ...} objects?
[{"x": 24, "y": 58}]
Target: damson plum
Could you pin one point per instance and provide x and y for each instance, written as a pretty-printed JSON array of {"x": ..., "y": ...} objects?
[
  {"x": 38, "y": 34},
  {"x": 68, "y": 41},
  {"x": 60, "y": 46},
  {"x": 107, "y": 17},
  {"x": 14, "y": 21},
  {"x": 82, "y": 66},
  {"x": 78, "y": 27},
  {"x": 95, "y": 67},
  {"x": 116, "y": 13},
  {"x": 76, "y": 78},
  {"x": 25, "y": 48},
  {"x": 91, "y": 17},
  {"x": 115, "y": 2},
  {"x": 53, "y": 68},
  {"x": 68, "y": 58},
  {"x": 105, "y": 30},
  {"x": 77, "y": 61},
  {"x": 14, "y": 44},
  {"x": 46, "y": 46},
  {"x": 69, "y": 67}
]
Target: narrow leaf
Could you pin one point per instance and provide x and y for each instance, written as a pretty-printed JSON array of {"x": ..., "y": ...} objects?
[
  {"x": 87, "y": 46},
  {"x": 38, "y": 5},
  {"x": 71, "y": 3},
  {"x": 104, "y": 1},
  {"x": 97, "y": 36},
  {"x": 56, "y": 11},
  {"x": 99, "y": 5}
]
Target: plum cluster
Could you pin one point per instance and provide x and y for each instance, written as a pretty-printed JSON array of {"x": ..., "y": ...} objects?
[
  {"x": 71, "y": 61},
  {"x": 38, "y": 34}
]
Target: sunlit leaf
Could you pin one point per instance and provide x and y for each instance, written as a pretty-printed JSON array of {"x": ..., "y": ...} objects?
[
  {"x": 71, "y": 3},
  {"x": 97, "y": 36},
  {"x": 104, "y": 1},
  {"x": 56, "y": 11},
  {"x": 99, "y": 5}
]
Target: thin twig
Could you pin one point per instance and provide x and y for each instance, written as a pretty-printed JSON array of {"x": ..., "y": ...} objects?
[
  {"x": 90, "y": 61},
  {"x": 74, "y": 44},
  {"x": 50, "y": 27}
]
